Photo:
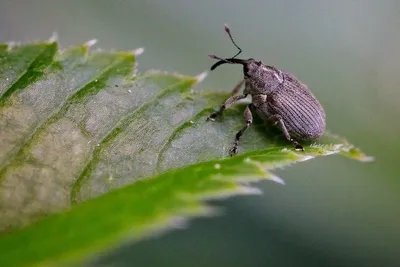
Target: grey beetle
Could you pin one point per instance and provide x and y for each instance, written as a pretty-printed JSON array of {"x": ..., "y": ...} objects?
[{"x": 277, "y": 97}]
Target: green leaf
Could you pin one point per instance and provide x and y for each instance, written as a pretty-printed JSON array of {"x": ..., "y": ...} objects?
[{"x": 79, "y": 133}]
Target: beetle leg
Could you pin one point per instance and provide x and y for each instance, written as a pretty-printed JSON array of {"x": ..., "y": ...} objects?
[
  {"x": 236, "y": 89},
  {"x": 278, "y": 119},
  {"x": 229, "y": 102},
  {"x": 226, "y": 105},
  {"x": 248, "y": 118}
]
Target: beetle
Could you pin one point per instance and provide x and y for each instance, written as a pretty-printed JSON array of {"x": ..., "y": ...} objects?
[{"x": 278, "y": 98}]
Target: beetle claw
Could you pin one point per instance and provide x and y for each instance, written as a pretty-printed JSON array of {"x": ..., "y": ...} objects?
[
  {"x": 299, "y": 147},
  {"x": 233, "y": 151},
  {"x": 212, "y": 117}
]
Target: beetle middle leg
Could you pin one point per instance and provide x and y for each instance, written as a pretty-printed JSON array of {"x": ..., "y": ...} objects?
[
  {"x": 278, "y": 119},
  {"x": 229, "y": 102},
  {"x": 248, "y": 117}
]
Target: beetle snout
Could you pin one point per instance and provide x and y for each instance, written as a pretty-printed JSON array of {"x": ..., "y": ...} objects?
[{"x": 251, "y": 66}]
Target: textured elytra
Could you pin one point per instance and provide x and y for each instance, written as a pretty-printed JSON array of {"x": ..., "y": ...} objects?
[
  {"x": 285, "y": 96},
  {"x": 280, "y": 93}
]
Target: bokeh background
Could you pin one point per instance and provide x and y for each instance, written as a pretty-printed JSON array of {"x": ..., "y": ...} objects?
[{"x": 332, "y": 211}]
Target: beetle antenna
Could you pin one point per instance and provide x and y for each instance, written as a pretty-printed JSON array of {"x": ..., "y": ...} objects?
[
  {"x": 219, "y": 58},
  {"x": 231, "y": 60},
  {"x": 220, "y": 61},
  {"x": 226, "y": 60},
  {"x": 228, "y": 31}
]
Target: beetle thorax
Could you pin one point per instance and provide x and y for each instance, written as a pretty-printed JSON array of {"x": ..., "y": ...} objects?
[{"x": 261, "y": 79}]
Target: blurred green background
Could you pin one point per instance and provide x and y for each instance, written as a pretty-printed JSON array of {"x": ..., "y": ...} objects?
[{"x": 332, "y": 211}]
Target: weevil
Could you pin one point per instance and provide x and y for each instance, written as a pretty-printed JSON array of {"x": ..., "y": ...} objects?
[{"x": 277, "y": 97}]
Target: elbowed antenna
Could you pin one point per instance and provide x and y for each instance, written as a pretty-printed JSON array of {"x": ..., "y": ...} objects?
[
  {"x": 228, "y": 31},
  {"x": 231, "y": 60},
  {"x": 226, "y": 60}
]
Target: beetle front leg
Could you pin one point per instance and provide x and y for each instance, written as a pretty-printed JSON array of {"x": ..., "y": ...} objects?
[
  {"x": 248, "y": 118},
  {"x": 229, "y": 102},
  {"x": 278, "y": 119},
  {"x": 237, "y": 87}
]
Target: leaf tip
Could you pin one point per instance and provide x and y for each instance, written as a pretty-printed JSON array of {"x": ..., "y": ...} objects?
[
  {"x": 91, "y": 43},
  {"x": 366, "y": 158},
  {"x": 54, "y": 37},
  {"x": 138, "y": 51},
  {"x": 276, "y": 179},
  {"x": 247, "y": 190},
  {"x": 179, "y": 222},
  {"x": 305, "y": 158},
  {"x": 11, "y": 45},
  {"x": 201, "y": 76},
  {"x": 356, "y": 153}
]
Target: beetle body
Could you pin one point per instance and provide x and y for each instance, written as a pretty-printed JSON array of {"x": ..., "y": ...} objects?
[
  {"x": 275, "y": 92},
  {"x": 277, "y": 97}
]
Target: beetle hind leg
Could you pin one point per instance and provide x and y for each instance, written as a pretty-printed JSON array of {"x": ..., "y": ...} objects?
[{"x": 277, "y": 119}]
